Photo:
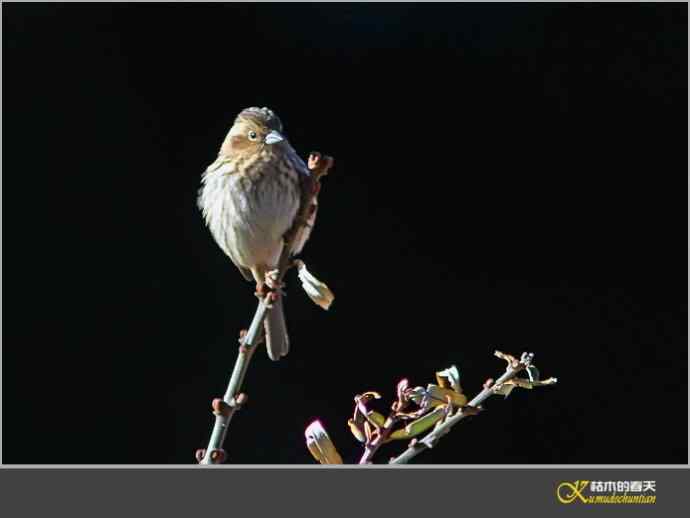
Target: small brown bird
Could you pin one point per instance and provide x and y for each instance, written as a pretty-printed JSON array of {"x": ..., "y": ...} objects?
[{"x": 250, "y": 197}]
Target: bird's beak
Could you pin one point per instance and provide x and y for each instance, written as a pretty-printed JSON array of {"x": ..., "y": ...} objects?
[{"x": 273, "y": 137}]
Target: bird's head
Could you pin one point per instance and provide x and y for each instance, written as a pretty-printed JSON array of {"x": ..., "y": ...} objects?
[{"x": 253, "y": 129}]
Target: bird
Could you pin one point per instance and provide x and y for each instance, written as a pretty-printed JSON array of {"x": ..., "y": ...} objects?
[{"x": 250, "y": 198}]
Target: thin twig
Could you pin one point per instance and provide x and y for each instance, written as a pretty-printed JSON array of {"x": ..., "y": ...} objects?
[
  {"x": 383, "y": 433},
  {"x": 233, "y": 399},
  {"x": 430, "y": 440},
  {"x": 381, "y": 438}
]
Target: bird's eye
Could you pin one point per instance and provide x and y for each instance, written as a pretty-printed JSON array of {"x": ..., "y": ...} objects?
[{"x": 252, "y": 135}]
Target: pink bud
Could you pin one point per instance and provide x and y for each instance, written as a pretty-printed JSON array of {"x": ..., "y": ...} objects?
[
  {"x": 200, "y": 453},
  {"x": 220, "y": 407},
  {"x": 217, "y": 456}
]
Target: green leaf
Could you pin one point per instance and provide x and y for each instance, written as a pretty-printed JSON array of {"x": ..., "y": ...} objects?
[
  {"x": 425, "y": 422},
  {"x": 399, "y": 435},
  {"x": 356, "y": 430},
  {"x": 421, "y": 425},
  {"x": 376, "y": 418}
]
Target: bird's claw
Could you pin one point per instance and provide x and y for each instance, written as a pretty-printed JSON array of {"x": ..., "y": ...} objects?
[
  {"x": 272, "y": 280},
  {"x": 271, "y": 288}
]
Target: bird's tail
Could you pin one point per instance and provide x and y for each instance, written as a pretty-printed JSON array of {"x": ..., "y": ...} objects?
[{"x": 277, "y": 341}]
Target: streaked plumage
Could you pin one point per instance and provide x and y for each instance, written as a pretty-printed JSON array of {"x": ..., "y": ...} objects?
[{"x": 250, "y": 197}]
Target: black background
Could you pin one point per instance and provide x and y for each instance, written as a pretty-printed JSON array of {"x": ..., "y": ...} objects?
[{"x": 507, "y": 176}]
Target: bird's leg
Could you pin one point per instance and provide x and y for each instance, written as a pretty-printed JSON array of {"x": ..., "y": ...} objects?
[
  {"x": 261, "y": 290},
  {"x": 274, "y": 284},
  {"x": 270, "y": 287}
]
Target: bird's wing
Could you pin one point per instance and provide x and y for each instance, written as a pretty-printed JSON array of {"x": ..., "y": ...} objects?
[
  {"x": 246, "y": 272},
  {"x": 307, "y": 198},
  {"x": 220, "y": 163}
]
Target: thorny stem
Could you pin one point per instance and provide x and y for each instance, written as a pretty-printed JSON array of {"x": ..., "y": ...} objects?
[
  {"x": 233, "y": 399},
  {"x": 514, "y": 367}
]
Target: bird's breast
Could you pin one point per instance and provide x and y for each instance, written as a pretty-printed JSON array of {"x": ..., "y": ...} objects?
[{"x": 249, "y": 205}]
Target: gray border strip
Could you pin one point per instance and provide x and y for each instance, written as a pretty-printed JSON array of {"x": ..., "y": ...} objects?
[
  {"x": 346, "y": 466},
  {"x": 239, "y": 492}
]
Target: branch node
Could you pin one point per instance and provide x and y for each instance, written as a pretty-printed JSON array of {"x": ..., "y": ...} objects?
[
  {"x": 240, "y": 400},
  {"x": 217, "y": 456},
  {"x": 471, "y": 410},
  {"x": 220, "y": 407},
  {"x": 512, "y": 361},
  {"x": 431, "y": 440}
]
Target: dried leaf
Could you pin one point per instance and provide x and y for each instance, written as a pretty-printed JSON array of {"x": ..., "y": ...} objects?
[
  {"x": 401, "y": 391},
  {"x": 524, "y": 383},
  {"x": 419, "y": 395},
  {"x": 505, "y": 389},
  {"x": 521, "y": 382},
  {"x": 367, "y": 431},
  {"x": 361, "y": 409},
  {"x": 320, "y": 444},
  {"x": 548, "y": 381},
  {"x": 438, "y": 396},
  {"x": 356, "y": 430},
  {"x": 449, "y": 377},
  {"x": 358, "y": 417},
  {"x": 315, "y": 289},
  {"x": 533, "y": 373}
]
